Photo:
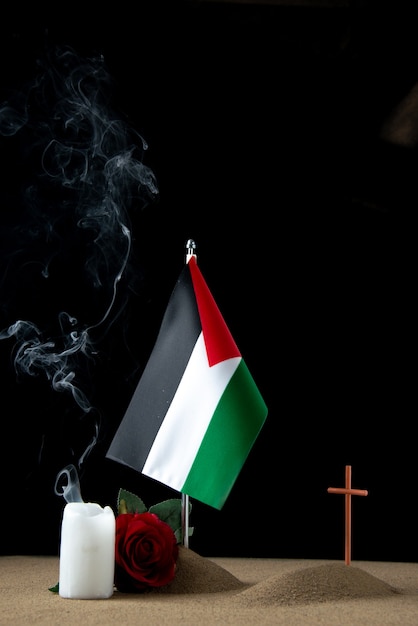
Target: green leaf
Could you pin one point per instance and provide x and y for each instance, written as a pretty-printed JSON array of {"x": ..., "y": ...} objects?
[
  {"x": 55, "y": 588},
  {"x": 179, "y": 534},
  {"x": 169, "y": 512},
  {"x": 130, "y": 503}
]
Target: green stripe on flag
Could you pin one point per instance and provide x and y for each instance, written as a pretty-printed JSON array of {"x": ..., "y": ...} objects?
[{"x": 232, "y": 431}]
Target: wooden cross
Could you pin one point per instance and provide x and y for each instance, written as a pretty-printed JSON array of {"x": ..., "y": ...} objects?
[{"x": 348, "y": 492}]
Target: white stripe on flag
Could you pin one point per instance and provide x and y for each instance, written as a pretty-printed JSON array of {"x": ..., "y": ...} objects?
[{"x": 180, "y": 435}]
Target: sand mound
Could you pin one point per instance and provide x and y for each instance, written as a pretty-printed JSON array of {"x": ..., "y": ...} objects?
[
  {"x": 322, "y": 583},
  {"x": 333, "y": 581},
  {"x": 195, "y": 574}
]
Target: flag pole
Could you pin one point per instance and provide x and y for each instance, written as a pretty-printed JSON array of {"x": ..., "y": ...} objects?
[
  {"x": 190, "y": 252},
  {"x": 185, "y": 518}
]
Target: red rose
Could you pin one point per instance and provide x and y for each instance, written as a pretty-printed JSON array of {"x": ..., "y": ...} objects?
[{"x": 146, "y": 552}]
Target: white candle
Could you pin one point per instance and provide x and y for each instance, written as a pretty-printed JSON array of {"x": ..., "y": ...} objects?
[{"x": 87, "y": 552}]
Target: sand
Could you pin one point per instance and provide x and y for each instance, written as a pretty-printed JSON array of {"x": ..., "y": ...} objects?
[{"x": 222, "y": 591}]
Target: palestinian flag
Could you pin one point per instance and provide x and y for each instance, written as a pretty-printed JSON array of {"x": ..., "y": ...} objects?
[{"x": 196, "y": 411}]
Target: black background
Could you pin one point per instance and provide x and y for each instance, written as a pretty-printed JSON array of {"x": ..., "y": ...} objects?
[{"x": 263, "y": 124}]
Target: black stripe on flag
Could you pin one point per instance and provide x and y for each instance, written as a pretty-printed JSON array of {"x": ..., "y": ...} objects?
[{"x": 176, "y": 339}]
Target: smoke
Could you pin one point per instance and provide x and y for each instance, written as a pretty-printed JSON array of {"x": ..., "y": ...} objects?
[
  {"x": 66, "y": 235},
  {"x": 67, "y": 484}
]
